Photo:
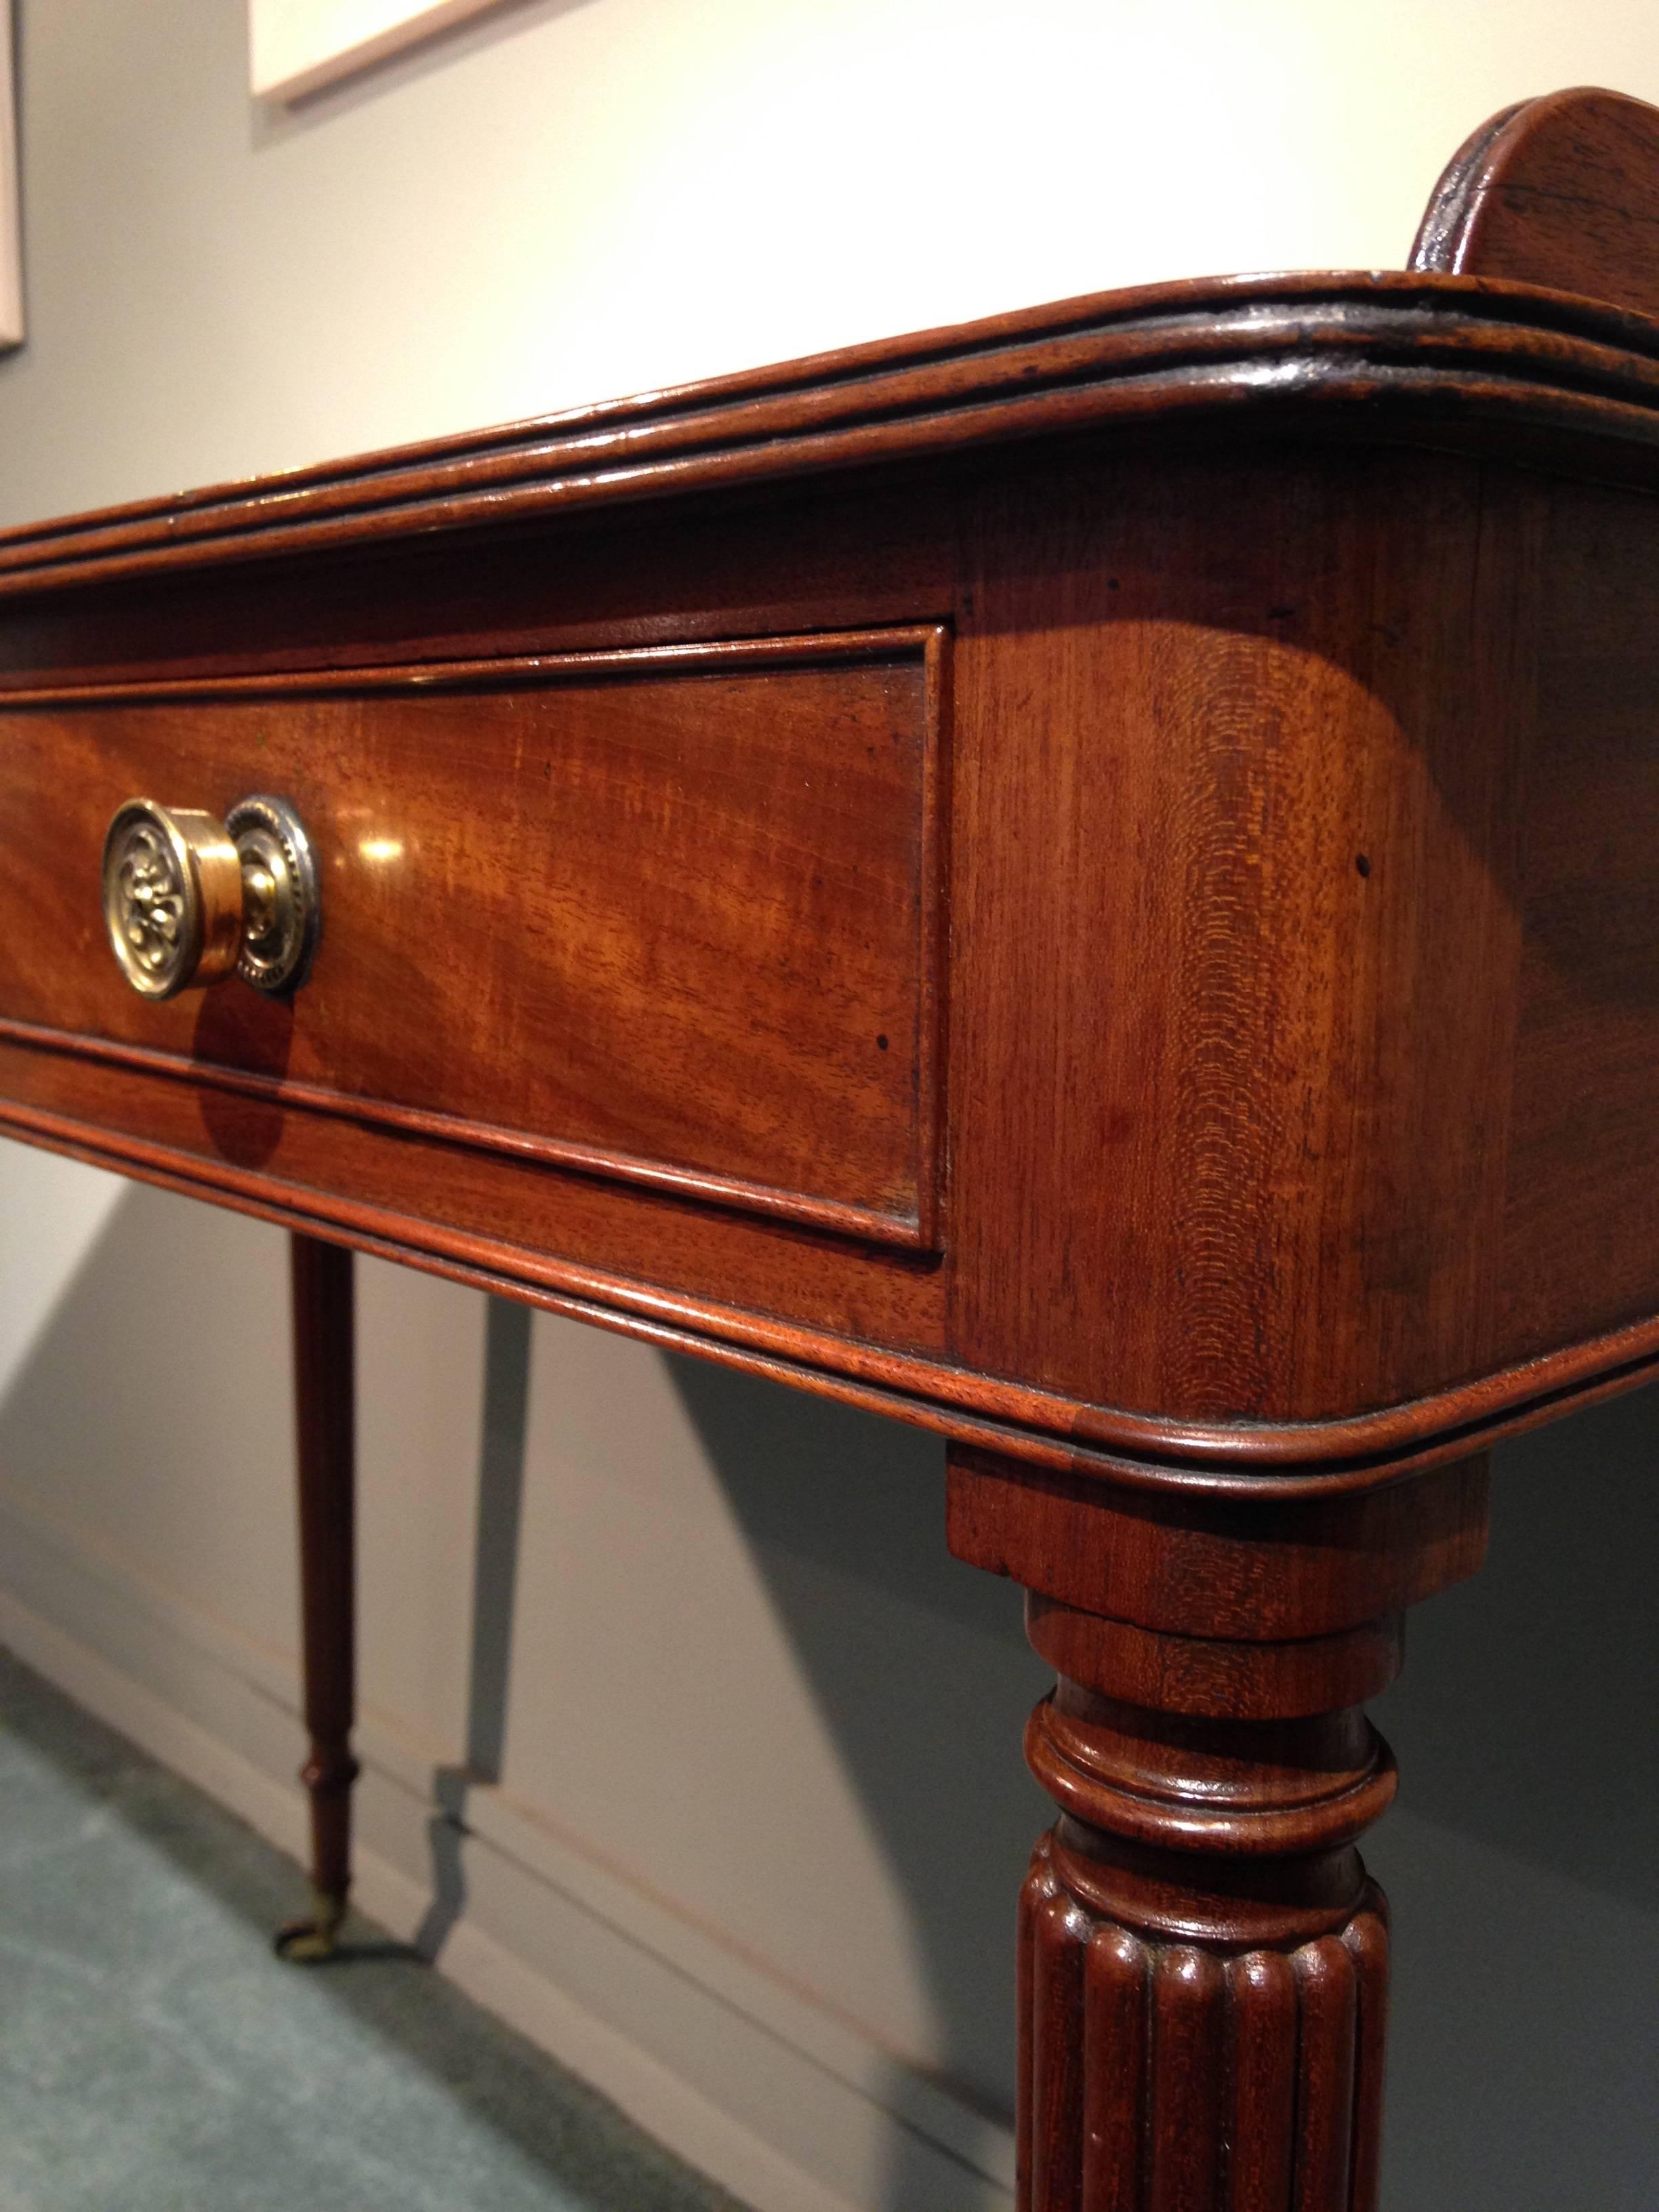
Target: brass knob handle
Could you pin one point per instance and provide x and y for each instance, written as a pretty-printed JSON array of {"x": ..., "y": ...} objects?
[{"x": 188, "y": 898}]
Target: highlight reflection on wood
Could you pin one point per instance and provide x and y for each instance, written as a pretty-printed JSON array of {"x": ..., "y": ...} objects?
[
  {"x": 490, "y": 971},
  {"x": 1087, "y": 882}
]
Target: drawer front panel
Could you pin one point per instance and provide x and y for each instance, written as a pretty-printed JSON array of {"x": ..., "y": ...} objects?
[{"x": 667, "y": 916}]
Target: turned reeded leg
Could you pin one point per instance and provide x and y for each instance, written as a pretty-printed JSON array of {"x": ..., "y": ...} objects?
[
  {"x": 1203, "y": 1960},
  {"x": 324, "y": 1394},
  {"x": 1203, "y": 1963}
]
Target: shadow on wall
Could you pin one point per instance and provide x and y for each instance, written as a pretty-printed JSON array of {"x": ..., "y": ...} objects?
[
  {"x": 1529, "y": 1697},
  {"x": 1521, "y": 1862},
  {"x": 495, "y": 1596},
  {"x": 222, "y": 2078},
  {"x": 126, "y": 1330},
  {"x": 844, "y": 1514}
]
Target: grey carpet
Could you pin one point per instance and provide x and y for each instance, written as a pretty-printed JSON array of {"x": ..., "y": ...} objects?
[{"x": 154, "y": 2056}]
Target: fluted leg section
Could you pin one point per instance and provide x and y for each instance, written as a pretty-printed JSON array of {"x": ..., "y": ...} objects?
[
  {"x": 1203, "y": 1960},
  {"x": 1204, "y": 1963},
  {"x": 1163, "y": 2073},
  {"x": 324, "y": 1380}
]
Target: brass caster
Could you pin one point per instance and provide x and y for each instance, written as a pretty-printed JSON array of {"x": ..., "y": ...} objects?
[{"x": 308, "y": 1942}]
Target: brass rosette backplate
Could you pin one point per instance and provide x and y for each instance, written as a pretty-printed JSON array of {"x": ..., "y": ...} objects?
[{"x": 188, "y": 900}]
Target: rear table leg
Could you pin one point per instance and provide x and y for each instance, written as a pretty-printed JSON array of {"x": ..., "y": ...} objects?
[{"x": 323, "y": 1395}]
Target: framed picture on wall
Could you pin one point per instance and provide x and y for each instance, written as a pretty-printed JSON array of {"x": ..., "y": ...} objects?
[
  {"x": 11, "y": 234},
  {"x": 297, "y": 46}
]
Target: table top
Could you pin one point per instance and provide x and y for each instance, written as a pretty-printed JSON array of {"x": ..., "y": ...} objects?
[{"x": 1468, "y": 361}]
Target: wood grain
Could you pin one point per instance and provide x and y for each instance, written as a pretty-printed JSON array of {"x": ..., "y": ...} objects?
[
  {"x": 668, "y": 919},
  {"x": 1561, "y": 191},
  {"x": 1190, "y": 694},
  {"x": 1423, "y": 356},
  {"x": 1236, "y": 864},
  {"x": 1203, "y": 1960},
  {"x": 1582, "y": 1225},
  {"x": 1277, "y": 1571}
]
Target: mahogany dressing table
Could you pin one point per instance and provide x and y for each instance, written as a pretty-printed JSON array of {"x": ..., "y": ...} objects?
[{"x": 1090, "y": 882}]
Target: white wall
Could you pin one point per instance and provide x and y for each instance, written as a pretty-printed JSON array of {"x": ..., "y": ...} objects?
[{"x": 761, "y": 1814}]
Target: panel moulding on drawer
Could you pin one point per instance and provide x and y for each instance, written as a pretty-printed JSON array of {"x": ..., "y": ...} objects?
[{"x": 762, "y": 1031}]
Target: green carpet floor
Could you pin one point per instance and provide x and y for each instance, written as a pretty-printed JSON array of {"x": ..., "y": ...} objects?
[{"x": 154, "y": 2056}]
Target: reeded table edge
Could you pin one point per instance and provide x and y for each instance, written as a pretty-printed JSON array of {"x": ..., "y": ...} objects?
[
  {"x": 1400, "y": 356},
  {"x": 1243, "y": 1459}
]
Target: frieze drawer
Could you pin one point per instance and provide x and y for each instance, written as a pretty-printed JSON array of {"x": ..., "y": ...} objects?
[{"x": 667, "y": 917}]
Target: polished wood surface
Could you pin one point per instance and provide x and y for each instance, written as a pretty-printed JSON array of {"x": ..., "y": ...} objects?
[
  {"x": 1562, "y": 191},
  {"x": 570, "y": 905},
  {"x": 1465, "y": 360},
  {"x": 1204, "y": 1964},
  {"x": 1088, "y": 883},
  {"x": 324, "y": 1409},
  {"x": 1191, "y": 692},
  {"x": 1583, "y": 1205}
]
